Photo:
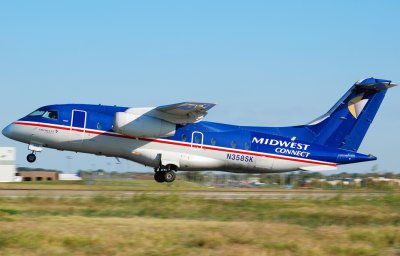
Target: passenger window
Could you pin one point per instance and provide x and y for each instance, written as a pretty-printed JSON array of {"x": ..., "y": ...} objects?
[
  {"x": 184, "y": 137},
  {"x": 233, "y": 144},
  {"x": 213, "y": 141},
  {"x": 99, "y": 126},
  {"x": 246, "y": 146}
]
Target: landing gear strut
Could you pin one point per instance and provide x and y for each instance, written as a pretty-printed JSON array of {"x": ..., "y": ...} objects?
[
  {"x": 31, "y": 158},
  {"x": 33, "y": 148},
  {"x": 165, "y": 174}
]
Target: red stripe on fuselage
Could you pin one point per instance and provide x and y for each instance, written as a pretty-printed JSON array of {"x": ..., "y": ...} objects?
[{"x": 169, "y": 142}]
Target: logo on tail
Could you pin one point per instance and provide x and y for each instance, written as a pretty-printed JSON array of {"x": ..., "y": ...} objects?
[{"x": 356, "y": 105}]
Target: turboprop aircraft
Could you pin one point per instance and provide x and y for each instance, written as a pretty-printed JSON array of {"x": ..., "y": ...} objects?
[{"x": 173, "y": 138}]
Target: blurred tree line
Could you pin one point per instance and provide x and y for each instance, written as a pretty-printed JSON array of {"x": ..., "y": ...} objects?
[{"x": 298, "y": 179}]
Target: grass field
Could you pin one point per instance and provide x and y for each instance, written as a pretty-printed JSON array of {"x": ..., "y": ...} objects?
[
  {"x": 151, "y": 185},
  {"x": 174, "y": 225}
]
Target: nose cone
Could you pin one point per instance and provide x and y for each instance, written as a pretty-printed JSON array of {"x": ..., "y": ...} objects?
[{"x": 7, "y": 131}]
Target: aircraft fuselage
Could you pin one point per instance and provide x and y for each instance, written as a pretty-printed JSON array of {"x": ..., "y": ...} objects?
[{"x": 198, "y": 146}]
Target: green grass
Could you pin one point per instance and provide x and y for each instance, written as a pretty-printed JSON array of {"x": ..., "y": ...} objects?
[
  {"x": 151, "y": 185},
  {"x": 72, "y": 235},
  {"x": 177, "y": 225},
  {"x": 312, "y": 213}
]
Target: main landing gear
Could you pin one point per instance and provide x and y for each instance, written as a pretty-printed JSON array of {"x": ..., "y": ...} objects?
[{"x": 165, "y": 173}]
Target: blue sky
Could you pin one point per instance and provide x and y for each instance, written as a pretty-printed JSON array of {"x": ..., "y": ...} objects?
[{"x": 267, "y": 63}]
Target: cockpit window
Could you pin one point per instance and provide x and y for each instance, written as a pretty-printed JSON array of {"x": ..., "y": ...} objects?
[
  {"x": 37, "y": 113},
  {"x": 51, "y": 114}
]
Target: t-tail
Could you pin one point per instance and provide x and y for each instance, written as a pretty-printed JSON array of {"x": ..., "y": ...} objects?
[{"x": 345, "y": 125}]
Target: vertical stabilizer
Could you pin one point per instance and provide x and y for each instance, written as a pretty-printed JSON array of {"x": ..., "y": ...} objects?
[{"x": 345, "y": 125}]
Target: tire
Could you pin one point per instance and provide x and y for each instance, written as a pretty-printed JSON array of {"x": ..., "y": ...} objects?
[
  {"x": 31, "y": 158},
  {"x": 169, "y": 176},
  {"x": 159, "y": 177}
]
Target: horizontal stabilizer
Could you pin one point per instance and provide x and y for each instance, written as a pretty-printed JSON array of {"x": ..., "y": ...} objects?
[{"x": 374, "y": 83}]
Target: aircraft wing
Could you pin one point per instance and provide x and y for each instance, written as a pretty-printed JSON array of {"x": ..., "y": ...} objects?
[{"x": 183, "y": 113}]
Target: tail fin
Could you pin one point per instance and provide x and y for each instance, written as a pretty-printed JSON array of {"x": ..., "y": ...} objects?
[{"x": 345, "y": 125}]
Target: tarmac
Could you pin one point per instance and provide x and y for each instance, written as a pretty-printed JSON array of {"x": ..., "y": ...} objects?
[{"x": 220, "y": 195}]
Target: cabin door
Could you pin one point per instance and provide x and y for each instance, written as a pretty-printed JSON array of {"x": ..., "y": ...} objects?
[
  {"x": 197, "y": 140},
  {"x": 78, "y": 126}
]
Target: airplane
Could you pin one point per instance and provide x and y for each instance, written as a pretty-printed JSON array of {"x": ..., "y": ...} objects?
[{"x": 174, "y": 138}]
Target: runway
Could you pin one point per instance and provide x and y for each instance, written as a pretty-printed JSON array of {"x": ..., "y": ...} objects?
[{"x": 212, "y": 194}]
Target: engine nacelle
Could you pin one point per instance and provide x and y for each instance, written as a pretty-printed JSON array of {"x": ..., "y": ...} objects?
[{"x": 142, "y": 125}]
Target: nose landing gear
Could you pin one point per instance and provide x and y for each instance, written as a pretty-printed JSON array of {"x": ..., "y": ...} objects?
[
  {"x": 165, "y": 173},
  {"x": 31, "y": 158}
]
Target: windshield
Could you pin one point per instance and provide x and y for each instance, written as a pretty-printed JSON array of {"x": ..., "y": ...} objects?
[
  {"x": 51, "y": 114},
  {"x": 37, "y": 113}
]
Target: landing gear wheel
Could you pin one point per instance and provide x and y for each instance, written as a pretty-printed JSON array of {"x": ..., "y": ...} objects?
[
  {"x": 159, "y": 177},
  {"x": 169, "y": 176},
  {"x": 31, "y": 158}
]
